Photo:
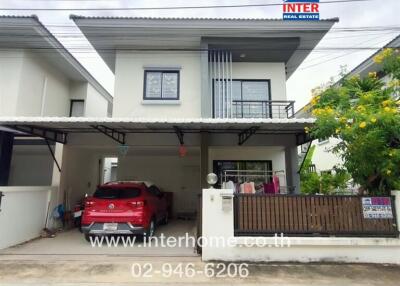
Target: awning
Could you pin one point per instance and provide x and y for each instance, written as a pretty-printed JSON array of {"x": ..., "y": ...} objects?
[{"x": 57, "y": 128}]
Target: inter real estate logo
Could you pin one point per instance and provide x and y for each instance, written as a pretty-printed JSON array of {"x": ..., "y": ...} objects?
[{"x": 301, "y": 10}]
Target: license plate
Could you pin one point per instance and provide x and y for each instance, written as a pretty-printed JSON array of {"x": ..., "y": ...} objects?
[{"x": 110, "y": 226}]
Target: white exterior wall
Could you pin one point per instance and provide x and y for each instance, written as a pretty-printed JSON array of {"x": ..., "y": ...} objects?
[
  {"x": 29, "y": 86},
  {"x": 275, "y": 72},
  {"x": 78, "y": 90},
  {"x": 95, "y": 104},
  {"x": 40, "y": 82},
  {"x": 323, "y": 158},
  {"x": 10, "y": 72},
  {"x": 218, "y": 226},
  {"x": 80, "y": 173},
  {"x": 23, "y": 213},
  {"x": 129, "y": 81}
]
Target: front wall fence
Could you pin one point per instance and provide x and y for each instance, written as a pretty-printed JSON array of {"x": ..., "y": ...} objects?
[{"x": 258, "y": 215}]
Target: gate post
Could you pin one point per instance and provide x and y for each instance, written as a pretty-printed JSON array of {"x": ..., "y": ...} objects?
[
  {"x": 396, "y": 194},
  {"x": 217, "y": 223}
]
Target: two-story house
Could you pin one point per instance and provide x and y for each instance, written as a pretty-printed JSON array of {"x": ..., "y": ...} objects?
[
  {"x": 215, "y": 86},
  {"x": 40, "y": 78},
  {"x": 192, "y": 96}
]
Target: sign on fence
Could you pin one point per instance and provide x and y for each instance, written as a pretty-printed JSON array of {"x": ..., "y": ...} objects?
[{"x": 377, "y": 207}]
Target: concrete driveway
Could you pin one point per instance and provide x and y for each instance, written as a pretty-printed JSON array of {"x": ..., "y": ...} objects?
[
  {"x": 69, "y": 260},
  {"x": 73, "y": 243}
]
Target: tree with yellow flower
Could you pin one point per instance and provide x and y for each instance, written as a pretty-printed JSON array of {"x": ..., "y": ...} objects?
[{"x": 364, "y": 114}]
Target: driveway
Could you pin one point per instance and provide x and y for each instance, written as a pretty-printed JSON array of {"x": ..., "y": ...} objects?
[
  {"x": 68, "y": 259},
  {"x": 72, "y": 243}
]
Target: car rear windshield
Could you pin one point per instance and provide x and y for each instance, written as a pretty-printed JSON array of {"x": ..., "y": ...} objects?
[{"x": 116, "y": 193}]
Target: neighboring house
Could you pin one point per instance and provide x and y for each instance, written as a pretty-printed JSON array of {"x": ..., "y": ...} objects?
[
  {"x": 323, "y": 158},
  {"x": 40, "y": 78}
]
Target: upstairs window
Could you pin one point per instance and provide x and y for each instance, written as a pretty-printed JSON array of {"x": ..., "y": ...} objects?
[
  {"x": 77, "y": 108},
  {"x": 161, "y": 85}
]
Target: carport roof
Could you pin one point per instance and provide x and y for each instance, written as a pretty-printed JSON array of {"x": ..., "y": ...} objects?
[
  {"x": 57, "y": 128},
  {"x": 82, "y": 124}
]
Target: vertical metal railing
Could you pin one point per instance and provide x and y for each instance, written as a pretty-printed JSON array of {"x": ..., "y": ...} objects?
[{"x": 220, "y": 76}]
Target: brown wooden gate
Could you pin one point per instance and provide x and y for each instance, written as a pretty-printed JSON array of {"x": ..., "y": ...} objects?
[{"x": 307, "y": 215}]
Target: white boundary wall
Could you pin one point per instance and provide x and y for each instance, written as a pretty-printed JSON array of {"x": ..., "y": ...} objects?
[
  {"x": 23, "y": 213},
  {"x": 218, "y": 223}
]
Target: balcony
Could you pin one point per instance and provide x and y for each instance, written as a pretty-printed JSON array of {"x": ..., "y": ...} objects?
[
  {"x": 262, "y": 109},
  {"x": 257, "y": 109}
]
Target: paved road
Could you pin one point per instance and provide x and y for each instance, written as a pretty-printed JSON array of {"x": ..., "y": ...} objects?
[{"x": 116, "y": 270}]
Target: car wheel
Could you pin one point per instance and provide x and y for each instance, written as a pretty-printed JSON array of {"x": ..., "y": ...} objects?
[
  {"x": 89, "y": 237},
  {"x": 152, "y": 227}
]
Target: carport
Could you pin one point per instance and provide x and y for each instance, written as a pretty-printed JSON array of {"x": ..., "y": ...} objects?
[{"x": 175, "y": 154}]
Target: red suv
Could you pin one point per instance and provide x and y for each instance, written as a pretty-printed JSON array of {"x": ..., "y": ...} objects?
[{"x": 124, "y": 208}]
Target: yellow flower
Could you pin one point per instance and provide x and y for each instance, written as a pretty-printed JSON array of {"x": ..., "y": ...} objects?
[
  {"x": 337, "y": 131},
  {"x": 360, "y": 108},
  {"x": 306, "y": 129},
  {"x": 378, "y": 58},
  {"x": 387, "y": 52},
  {"x": 363, "y": 124},
  {"x": 382, "y": 55},
  {"x": 386, "y": 102},
  {"x": 342, "y": 119},
  {"x": 387, "y": 109},
  {"x": 316, "y": 112},
  {"x": 372, "y": 74},
  {"x": 313, "y": 101},
  {"x": 327, "y": 110},
  {"x": 373, "y": 119},
  {"x": 388, "y": 172}
]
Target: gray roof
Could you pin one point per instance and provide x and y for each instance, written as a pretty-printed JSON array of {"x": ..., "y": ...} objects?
[
  {"x": 336, "y": 19},
  {"x": 27, "y": 32},
  {"x": 131, "y": 33},
  {"x": 368, "y": 65},
  {"x": 85, "y": 124}
]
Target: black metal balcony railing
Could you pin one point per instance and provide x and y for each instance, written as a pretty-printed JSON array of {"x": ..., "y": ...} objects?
[{"x": 262, "y": 109}]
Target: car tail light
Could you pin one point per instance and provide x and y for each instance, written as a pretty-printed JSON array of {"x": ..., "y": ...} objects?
[
  {"x": 89, "y": 203},
  {"x": 137, "y": 203}
]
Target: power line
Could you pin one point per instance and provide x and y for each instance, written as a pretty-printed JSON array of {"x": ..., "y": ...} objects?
[
  {"x": 79, "y": 35},
  {"x": 168, "y": 7},
  {"x": 3, "y": 47},
  {"x": 337, "y": 57}
]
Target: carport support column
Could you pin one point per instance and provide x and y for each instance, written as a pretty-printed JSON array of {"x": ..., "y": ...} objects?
[
  {"x": 58, "y": 154},
  {"x": 6, "y": 148},
  {"x": 292, "y": 166},
  {"x": 204, "y": 159}
]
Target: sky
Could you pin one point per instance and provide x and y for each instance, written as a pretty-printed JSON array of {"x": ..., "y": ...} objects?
[{"x": 318, "y": 68}]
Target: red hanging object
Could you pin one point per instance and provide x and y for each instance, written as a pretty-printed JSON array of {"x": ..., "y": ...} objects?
[{"x": 182, "y": 151}]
